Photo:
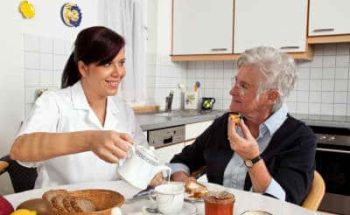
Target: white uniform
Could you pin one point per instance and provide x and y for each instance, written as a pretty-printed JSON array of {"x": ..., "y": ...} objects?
[{"x": 67, "y": 110}]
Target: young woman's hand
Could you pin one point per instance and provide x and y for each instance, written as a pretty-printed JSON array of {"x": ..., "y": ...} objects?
[{"x": 110, "y": 146}]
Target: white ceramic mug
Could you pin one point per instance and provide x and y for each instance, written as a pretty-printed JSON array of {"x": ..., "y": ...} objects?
[
  {"x": 140, "y": 167},
  {"x": 169, "y": 197}
]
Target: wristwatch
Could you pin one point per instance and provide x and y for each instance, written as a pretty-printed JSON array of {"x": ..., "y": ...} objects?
[{"x": 250, "y": 163}]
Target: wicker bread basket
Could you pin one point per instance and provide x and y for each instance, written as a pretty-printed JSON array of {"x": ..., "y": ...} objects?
[{"x": 104, "y": 200}]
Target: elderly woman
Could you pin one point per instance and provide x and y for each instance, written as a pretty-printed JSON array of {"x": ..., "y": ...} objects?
[{"x": 269, "y": 151}]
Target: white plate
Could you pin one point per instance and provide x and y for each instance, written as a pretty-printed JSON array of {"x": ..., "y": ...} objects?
[
  {"x": 189, "y": 198},
  {"x": 187, "y": 209}
]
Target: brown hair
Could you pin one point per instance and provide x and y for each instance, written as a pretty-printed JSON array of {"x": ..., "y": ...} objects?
[{"x": 93, "y": 45}]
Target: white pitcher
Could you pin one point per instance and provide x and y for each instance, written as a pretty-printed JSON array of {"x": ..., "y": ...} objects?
[{"x": 141, "y": 166}]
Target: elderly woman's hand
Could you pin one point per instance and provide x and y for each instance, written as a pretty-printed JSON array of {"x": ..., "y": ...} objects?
[
  {"x": 245, "y": 146},
  {"x": 110, "y": 146}
]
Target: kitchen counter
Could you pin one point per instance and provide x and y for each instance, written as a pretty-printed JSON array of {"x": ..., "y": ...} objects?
[
  {"x": 152, "y": 121},
  {"x": 324, "y": 120}
]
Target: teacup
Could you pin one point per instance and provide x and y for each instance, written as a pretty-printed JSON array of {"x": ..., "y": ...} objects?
[{"x": 169, "y": 197}]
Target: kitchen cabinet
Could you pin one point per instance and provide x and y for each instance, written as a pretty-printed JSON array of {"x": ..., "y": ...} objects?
[
  {"x": 207, "y": 30},
  {"x": 329, "y": 21},
  {"x": 166, "y": 153},
  {"x": 192, "y": 131},
  {"x": 276, "y": 23},
  {"x": 202, "y": 27}
]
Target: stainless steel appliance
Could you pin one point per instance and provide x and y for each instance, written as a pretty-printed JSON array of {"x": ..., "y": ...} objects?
[
  {"x": 333, "y": 163},
  {"x": 166, "y": 136}
]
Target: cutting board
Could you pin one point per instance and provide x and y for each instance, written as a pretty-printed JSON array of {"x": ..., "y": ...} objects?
[{"x": 146, "y": 108}]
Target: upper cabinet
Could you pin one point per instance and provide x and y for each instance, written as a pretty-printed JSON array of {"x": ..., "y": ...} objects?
[
  {"x": 276, "y": 23},
  {"x": 202, "y": 27},
  {"x": 222, "y": 29},
  {"x": 329, "y": 17},
  {"x": 329, "y": 21}
]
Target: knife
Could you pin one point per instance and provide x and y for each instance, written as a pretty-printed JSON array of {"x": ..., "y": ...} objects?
[{"x": 143, "y": 194}]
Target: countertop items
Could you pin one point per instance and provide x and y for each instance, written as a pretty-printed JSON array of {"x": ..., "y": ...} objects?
[
  {"x": 146, "y": 108},
  {"x": 151, "y": 121}
]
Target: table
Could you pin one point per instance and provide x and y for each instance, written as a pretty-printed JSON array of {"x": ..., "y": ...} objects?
[{"x": 244, "y": 200}]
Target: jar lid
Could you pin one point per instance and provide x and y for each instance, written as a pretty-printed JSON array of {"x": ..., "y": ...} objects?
[{"x": 219, "y": 197}]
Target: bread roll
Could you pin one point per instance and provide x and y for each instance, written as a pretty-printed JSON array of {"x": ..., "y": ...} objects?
[
  {"x": 49, "y": 195},
  {"x": 195, "y": 189},
  {"x": 83, "y": 205},
  {"x": 62, "y": 202},
  {"x": 235, "y": 118}
]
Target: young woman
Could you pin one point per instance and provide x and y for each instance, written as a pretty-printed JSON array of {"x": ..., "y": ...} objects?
[{"x": 79, "y": 133}]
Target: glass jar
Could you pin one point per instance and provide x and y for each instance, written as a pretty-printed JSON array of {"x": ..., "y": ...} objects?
[{"x": 219, "y": 203}]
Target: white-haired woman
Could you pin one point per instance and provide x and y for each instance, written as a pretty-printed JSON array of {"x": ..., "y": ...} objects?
[{"x": 269, "y": 151}]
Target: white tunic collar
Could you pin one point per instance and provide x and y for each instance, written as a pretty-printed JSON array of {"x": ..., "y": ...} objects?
[{"x": 80, "y": 102}]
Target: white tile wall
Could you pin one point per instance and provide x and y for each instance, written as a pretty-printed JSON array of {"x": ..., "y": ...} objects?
[
  {"x": 162, "y": 77},
  {"x": 44, "y": 60},
  {"x": 323, "y": 85},
  {"x": 329, "y": 81}
]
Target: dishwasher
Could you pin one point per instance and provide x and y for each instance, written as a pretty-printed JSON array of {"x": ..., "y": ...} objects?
[
  {"x": 167, "y": 141},
  {"x": 166, "y": 136}
]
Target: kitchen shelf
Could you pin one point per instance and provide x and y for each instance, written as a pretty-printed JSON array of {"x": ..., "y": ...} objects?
[
  {"x": 328, "y": 39},
  {"x": 205, "y": 57},
  {"x": 307, "y": 55}
]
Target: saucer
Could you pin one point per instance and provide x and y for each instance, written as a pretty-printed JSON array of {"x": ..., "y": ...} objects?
[{"x": 187, "y": 209}]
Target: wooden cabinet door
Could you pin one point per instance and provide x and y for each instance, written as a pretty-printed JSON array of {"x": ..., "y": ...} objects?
[
  {"x": 276, "y": 23},
  {"x": 329, "y": 17},
  {"x": 202, "y": 27},
  {"x": 192, "y": 131}
]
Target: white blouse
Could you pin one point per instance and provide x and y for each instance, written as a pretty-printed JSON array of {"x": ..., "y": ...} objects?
[{"x": 67, "y": 110}]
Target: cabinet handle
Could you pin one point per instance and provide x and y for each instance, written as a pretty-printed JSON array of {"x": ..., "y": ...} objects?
[
  {"x": 323, "y": 29},
  {"x": 219, "y": 49},
  {"x": 333, "y": 150},
  {"x": 289, "y": 47}
]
